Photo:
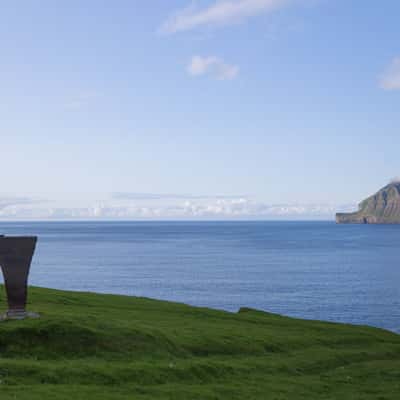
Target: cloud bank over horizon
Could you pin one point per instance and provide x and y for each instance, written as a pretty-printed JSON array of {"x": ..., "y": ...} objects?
[{"x": 136, "y": 206}]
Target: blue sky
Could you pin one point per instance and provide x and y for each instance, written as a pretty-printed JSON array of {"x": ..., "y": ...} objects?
[{"x": 197, "y": 109}]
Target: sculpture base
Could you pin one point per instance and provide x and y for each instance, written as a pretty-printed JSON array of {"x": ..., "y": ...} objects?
[{"x": 18, "y": 315}]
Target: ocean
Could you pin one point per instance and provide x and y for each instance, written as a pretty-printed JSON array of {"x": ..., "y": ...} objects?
[{"x": 313, "y": 270}]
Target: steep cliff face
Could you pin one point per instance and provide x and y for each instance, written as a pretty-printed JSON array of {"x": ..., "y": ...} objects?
[{"x": 381, "y": 208}]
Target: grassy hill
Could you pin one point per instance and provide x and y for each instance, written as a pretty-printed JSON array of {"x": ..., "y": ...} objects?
[{"x": 90, "y": 346}]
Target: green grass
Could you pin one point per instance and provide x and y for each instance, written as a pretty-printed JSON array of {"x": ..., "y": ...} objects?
[{"x": 89, "y": 346}]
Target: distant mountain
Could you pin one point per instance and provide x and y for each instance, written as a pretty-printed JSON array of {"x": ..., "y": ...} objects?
[{"x": 381, "y": 208}]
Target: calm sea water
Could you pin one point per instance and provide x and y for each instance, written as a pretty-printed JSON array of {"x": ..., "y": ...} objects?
[{"x": 318, "y": 270}]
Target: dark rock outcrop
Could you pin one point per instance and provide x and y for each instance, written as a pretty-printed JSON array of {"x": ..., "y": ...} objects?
[{"x": 381, "y": 208}]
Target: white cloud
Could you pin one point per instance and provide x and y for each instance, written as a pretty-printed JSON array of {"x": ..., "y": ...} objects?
[
  {"x": 221, "y": 12},
  {"x": 390, "y": 79},
  {"x": 214, "y": 66}
]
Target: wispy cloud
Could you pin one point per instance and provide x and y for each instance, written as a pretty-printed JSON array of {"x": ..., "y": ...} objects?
[
  {"x": 81, "y": 100},
  {"x": 221, "y": 12},
  {"x": 390, "y": 79},
  {"x": 6, "y": 202},
  {"x": 169, "y": 196},
  {"x": 213, "y": 66}
]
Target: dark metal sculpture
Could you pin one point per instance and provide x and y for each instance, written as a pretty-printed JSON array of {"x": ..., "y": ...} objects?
[{"x": 15, "y": 260}]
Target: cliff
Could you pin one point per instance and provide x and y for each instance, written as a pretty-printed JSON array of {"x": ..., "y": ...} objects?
[{"x": 381, "y": 208}]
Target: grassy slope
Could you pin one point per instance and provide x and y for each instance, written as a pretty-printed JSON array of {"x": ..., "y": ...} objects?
[{"x": 89, "y": 346}]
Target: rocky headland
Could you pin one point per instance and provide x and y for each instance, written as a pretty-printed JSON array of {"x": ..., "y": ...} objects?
[{"x": 381, "y": 208}]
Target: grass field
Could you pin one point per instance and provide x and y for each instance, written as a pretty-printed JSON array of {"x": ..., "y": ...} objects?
[{"x": 90, "y": 346}]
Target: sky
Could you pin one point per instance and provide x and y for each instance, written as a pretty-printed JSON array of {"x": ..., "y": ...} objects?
[{"x": 207, "y": 109}]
